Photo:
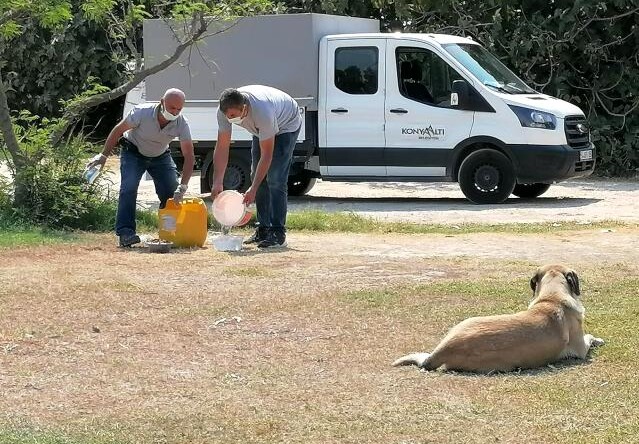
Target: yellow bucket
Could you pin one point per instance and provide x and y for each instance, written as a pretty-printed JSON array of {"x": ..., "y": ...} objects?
[{"x": 185, "y": 224}]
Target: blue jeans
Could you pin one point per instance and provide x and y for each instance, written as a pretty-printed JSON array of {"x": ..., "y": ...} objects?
[
  {"x": 271, "y": 198},
  {"x": 132, "y": 166}
]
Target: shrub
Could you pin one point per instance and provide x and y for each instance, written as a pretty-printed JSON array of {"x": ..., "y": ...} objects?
[{"x": 50, "y": 190}]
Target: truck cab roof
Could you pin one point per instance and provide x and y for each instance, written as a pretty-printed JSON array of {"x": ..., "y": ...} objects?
[{"x": 438, "y": 39}]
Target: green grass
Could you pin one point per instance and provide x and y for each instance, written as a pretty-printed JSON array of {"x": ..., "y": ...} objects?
[
  {"x": 146, "y": 220},
  {"x": 377, "y": 298},
  {"x": 35, "y": 435},
  {"x": 12, "y": 234},
  {"x": 31, "y": 236},
  {"x": 249, "y": 272},
  {"x": 321, "y": 221},
  {"x": 15, "y": 233}
]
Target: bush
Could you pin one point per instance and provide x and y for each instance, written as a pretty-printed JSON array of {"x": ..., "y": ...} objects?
[{"x": 50, "y": 190}]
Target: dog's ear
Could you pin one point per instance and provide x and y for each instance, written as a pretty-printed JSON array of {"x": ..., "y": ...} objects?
[
  {"x": 573, "y": 282},
  {"x": 533, "y": 282}
]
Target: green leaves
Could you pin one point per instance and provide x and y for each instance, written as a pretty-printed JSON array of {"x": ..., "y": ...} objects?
[
  {"x": 97, "y": 10},
  {"x": 53, "y": 15},
  {"x": 47, "y": 13},
  {"x": 9, "y": 30}
]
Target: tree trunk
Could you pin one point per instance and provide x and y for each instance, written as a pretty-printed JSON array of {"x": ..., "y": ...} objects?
[
  {"x": 10, "y": 140},
  {"x": 11, "y": 143}
]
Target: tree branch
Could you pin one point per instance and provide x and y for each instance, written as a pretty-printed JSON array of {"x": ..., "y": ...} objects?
[
  {"x": 598, "y": 19},
  {"x": 612, "y": 113},
  {"x": 79, "y": 108}
]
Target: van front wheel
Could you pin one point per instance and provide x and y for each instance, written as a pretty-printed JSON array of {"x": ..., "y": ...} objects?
[
  {"x": 486, "y": 176},
  {"x": 530, "y": 190}
]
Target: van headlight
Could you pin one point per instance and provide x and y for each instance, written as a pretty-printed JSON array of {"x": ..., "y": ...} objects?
[{"x": 531, "y": 118}]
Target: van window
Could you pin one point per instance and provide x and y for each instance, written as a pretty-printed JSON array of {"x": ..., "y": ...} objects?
[
  {"x": 356, "y": 69},
  {"x": 425, "y": 77},
  {"x": 488, "y": 69}
]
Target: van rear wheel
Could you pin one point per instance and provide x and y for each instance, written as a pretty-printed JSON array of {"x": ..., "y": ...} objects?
[
  {"x": 300, "y": 184},
  {"x": 486, "y": 176},
  {"x": 530, "y": 190},
  {"x": 237, "y": 176}
]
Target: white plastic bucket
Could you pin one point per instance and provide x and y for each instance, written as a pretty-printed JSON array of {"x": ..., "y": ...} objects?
[
  {"x": 227, "y": 242},
  {"x": 229, "y": 209}
]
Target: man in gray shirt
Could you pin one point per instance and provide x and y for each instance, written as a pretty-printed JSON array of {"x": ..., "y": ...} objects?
[
  {"x": 148, "y": 129},
  {"x": 274, "y": 120}
]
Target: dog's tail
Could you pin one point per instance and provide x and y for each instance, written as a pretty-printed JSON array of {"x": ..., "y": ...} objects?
[{"x": 418, "y": 359}]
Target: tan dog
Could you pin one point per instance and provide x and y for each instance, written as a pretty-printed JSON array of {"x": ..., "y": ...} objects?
[{"x": 551, "y": 329}]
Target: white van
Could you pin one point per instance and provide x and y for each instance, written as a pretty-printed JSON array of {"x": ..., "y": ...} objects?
[{"x": 379, "y": 106}]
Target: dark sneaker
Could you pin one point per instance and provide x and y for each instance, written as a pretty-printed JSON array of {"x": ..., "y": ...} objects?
[
  {"x": 275, "y": 239},
  {"x": 126, "y": 240},
  {"x": 261, "y": 233}
]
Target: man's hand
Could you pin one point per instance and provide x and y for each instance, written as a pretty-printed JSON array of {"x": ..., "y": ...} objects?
[
  {"x": 98, "y": 159},
  {"x": 217, "y": 189},
  {"x": 249, "y": 196},
  {"x": 179, "y": 193}
]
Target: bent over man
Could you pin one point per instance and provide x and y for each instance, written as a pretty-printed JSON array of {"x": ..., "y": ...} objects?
[
  {"x": 274, "y": 120},
  {"x": 144, "y": 136}
]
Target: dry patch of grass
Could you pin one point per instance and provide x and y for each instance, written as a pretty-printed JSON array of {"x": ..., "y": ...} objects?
[
  {"x": 100, "y": 345},
  {"x": 249, "y": 272}
]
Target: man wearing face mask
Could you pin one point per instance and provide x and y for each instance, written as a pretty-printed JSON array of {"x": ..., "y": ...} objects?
[
  {"x": 274, "y": 120},
  {"x": 144, "y": 136}
]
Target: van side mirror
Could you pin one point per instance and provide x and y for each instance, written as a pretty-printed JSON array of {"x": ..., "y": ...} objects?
[{"x": 460, "y": 97}]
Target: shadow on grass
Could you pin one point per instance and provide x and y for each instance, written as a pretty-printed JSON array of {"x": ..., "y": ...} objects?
[{"x": 550, "y": 369}]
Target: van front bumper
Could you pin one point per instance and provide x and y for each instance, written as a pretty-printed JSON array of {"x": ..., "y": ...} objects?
[{"x": 551, "y": 163}]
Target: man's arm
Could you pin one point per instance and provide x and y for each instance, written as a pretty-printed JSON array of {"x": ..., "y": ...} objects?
[
  {"x": 114, "y": 136},
  {"x": 110, "y": 143},
  {"x": 189, "y": 160},
  {"x": 220, "y": 161}
]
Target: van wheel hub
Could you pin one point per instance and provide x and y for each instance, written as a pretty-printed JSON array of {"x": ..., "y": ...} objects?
[{"x": 487, "y": 178}]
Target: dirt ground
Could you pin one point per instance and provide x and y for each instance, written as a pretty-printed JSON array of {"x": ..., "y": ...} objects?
[
  {"x": 108, "y": 345},
  {"x": 289, "y": 346}
]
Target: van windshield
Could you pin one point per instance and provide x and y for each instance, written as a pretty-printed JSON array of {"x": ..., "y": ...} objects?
[{"x": 487, "y": 68}]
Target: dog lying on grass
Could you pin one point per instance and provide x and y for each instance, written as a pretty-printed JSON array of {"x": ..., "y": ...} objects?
[{"x": 550, "y": 329}]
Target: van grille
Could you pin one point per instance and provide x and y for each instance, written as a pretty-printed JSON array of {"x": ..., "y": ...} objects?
[{"x": 576, "y": 138}]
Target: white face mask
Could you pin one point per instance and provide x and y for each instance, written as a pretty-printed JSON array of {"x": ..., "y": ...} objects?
[
  {"x": 239, "y": 119},
  {"x": 167, "y": 115}
]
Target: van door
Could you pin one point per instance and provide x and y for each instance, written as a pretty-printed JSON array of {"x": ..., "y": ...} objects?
[
  {"x": 354, "y": 109},
  {"x": 421, "y": 127}
]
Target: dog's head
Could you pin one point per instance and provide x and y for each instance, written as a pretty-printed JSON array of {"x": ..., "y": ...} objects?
[{"x": 553, "y": 275}]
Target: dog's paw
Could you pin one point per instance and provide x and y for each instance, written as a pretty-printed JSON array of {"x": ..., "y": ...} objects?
[{"x": 597, "y": 342}]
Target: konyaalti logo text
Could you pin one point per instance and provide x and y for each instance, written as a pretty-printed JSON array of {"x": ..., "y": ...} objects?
[{"x": 425, "y": 133}]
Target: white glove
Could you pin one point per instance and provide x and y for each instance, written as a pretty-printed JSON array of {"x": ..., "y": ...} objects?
[
  {"x": 179, "y": 193},
  {"x": 98, "y": 159}
]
